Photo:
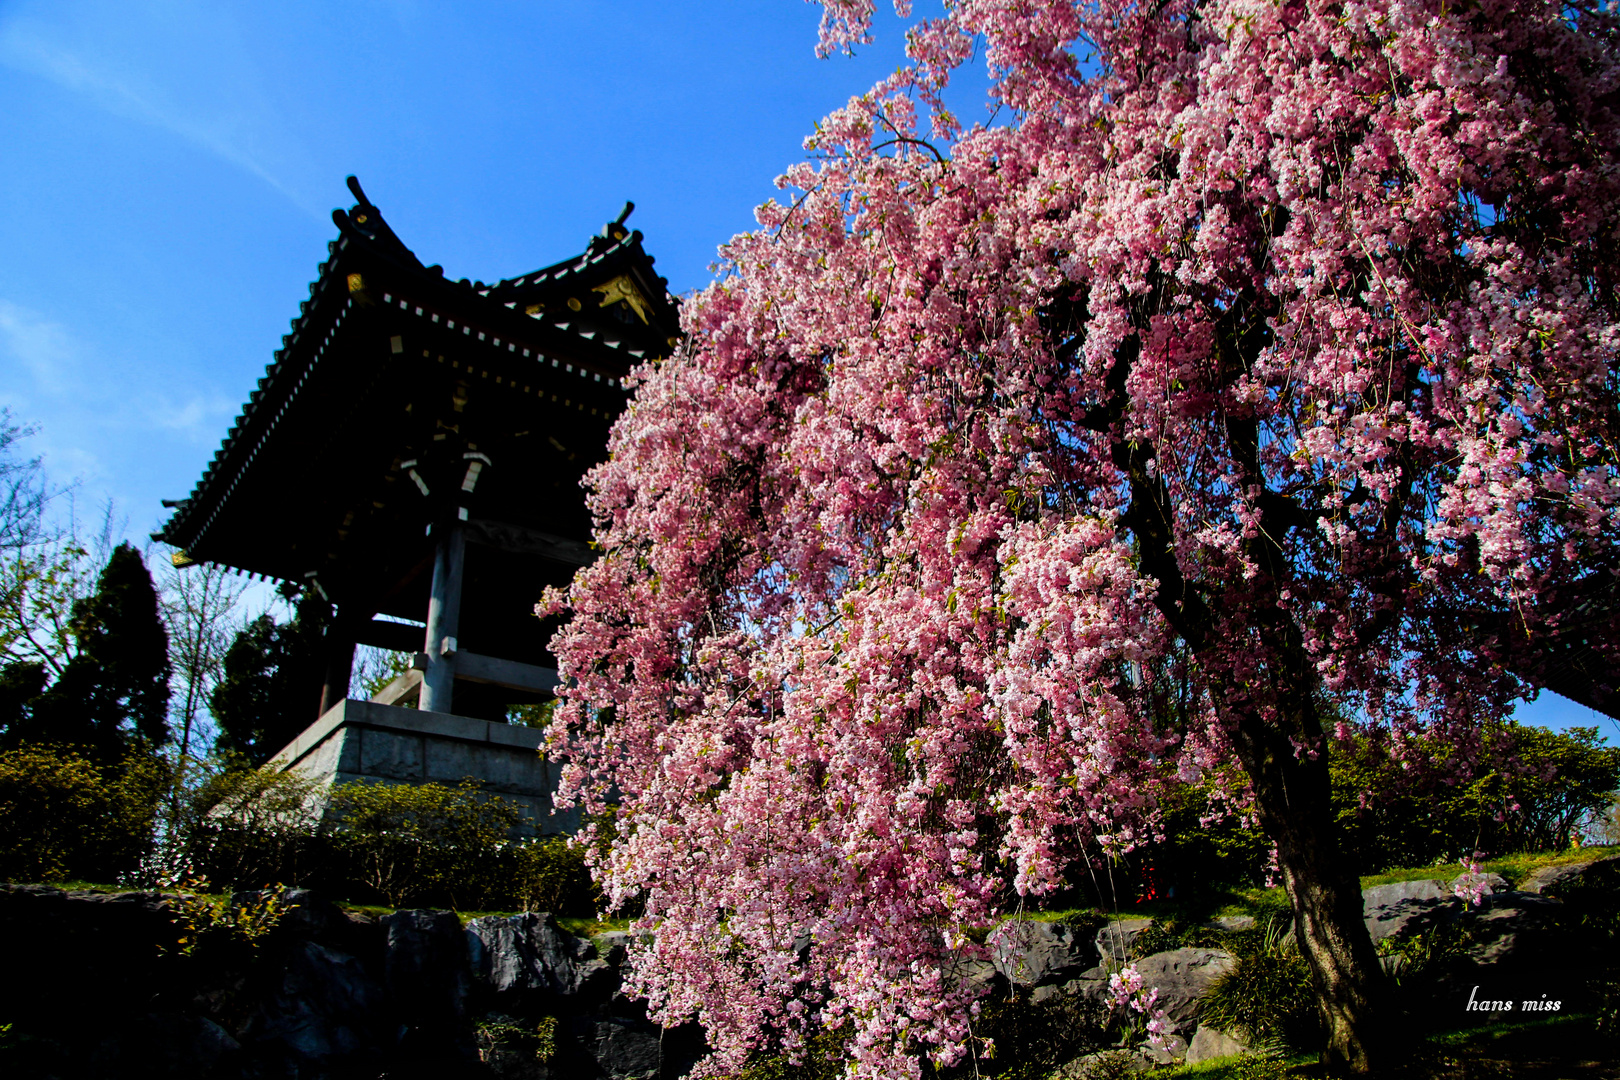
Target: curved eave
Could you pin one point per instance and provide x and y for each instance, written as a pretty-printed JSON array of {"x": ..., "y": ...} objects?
[
  {"x": 275, "y": 388},
  {"x": 606, "y": 259},
  {"x": 602, "y": 351}
]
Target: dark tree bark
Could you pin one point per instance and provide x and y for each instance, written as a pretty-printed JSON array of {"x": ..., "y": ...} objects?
[
  {"x": 1270, "y": 713},
  {"x": 1292, "y": 793}
]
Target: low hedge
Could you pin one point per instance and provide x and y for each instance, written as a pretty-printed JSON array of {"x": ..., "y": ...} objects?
[{"x": 63, "y": 816}]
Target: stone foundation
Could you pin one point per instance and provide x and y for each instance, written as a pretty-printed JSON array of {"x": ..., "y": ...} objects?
[{"x": 364, "y": 740}]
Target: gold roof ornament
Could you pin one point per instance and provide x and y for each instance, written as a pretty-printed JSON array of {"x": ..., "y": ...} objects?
[
  {"x": 622, "y": 288},
  {"x": 357, "y": 289},
  {"x": 181, "y": 559}
]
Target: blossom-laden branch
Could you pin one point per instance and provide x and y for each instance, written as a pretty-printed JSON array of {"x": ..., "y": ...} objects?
[
  {"x": 1128, "y": 993},
  {"x": 1254, "y": 385}
]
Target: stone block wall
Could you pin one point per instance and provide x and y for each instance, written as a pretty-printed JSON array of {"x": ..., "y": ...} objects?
[{"x": 363, "y": 740}]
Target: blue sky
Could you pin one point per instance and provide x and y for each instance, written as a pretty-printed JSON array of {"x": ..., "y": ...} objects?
[{"x": 168, "y": 170}]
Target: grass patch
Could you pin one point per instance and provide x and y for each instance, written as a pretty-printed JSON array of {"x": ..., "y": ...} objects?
[
  {"x": 578, "y": 926},
  {"x": 76, "y": 885},
  {"x": 1545, "y": 1048},
  {"x": 1244, "y": 1067},
  {"x": 105, "y": 889},
  {"x": 1514, "y": 867},
  {"x": 1229, "y": 901},
  {"x": 1260, "y": 903},
  {"x": 1518, "y": 867},
  {"x": 582, "y": 927},
  {"x": 1546, "y": 1031}
]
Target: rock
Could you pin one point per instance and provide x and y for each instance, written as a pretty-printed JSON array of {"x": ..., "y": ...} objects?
[
  {"x": 531, "y": 953},
  {"x": 974, "y": 970},
  {"x": 626, "y": 1049},
  {"x": 176, "y": 1044},
  {"x": 1406, "y": 907},
  {"x": 1211, "y": 1043},
  {"x": 613, "y": 946},
  {"x": 594, "y": 978},
  {"x": 1030, "y": 953},
  {"x": 1181, "y": 976},
  {"x": 1109, "y": 1063},
  {"x": 1174, "y": 1052},
  {"x": 1493, "y": 883},
  {"x": 1233, "y": 923},
  {"x": 323, "y": 1009},
  {"x": 1091, "y": 986},
  {"x": 1557, "y": 880},
  {"x": 99, "y": 954},
  {"x": 1114, "y": 940},
  {"x": 425, "y": 972},
  {"x": 1508, "y": 928},
  {"x": 1514, "y": 929}
]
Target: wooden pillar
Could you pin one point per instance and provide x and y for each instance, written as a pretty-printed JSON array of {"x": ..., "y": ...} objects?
[
  {"x": 444, "y": 615},
  {"x": 339, "y": 667}
]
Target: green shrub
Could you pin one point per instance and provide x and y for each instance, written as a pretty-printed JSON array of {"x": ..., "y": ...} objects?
[
  {"x": 210, "y": 924},
  {"x": 1266, "y": 998},
  {"x": 248, "y": 827},
  {"x": 538, "y": 1041},
  {"x": 822, "y": 1058},
  {"x": 1013, "y": 1038},
  {"x": 1539, "y": 790},
  {"x": 1029, "y": 1039},
  {"x": 1113, "y": 1065},
  {"x": 1199, "y": 854},
  {"x": 147, "y": 824},
  {"x": 549, "y": 874},
  {"x": 64, "y": 815},
  {"x": 1415, "y": 961},
  {"x": 406, "y": 841},
  {"x": 50, "y": 802}
]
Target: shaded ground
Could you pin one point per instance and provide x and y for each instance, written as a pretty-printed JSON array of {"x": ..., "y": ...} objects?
[{"x": 1561, "y": 1048}]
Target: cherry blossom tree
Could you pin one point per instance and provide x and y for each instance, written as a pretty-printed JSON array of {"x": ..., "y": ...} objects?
[{"x": 1161, "y": 429}]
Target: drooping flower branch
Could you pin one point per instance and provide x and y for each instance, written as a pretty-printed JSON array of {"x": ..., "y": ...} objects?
[{"x": 1255, "y": 384}]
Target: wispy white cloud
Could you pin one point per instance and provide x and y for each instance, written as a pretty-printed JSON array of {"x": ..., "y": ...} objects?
[
  {"x": 199, "y": 419},
  {"x": 41, "y": 383},
  {"x": 93, "y": 420},
  {"x": 214, "y": 106},
  {"x": 43, "y": 348}
]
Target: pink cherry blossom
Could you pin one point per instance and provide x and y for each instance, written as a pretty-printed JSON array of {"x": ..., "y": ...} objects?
[
  {"x": 1471, "y": 885},
  {"x": 1250, "y": 383}
]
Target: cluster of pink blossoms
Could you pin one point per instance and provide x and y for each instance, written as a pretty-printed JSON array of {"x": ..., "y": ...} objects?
[
  {"x": 1471, "y": 885},
  {"x": 1266, "y": 357},
  {"x": 1129, "y": 994}
]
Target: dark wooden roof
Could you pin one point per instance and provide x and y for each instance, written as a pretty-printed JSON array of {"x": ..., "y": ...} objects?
[
  {"x": 392, "y": 382},
  {"x": 1577, "y": 658},
  {"x": 1573, "y": 655}
]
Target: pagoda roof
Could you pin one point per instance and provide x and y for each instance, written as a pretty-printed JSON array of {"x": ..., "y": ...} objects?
[{"x": 576, "y": 328}]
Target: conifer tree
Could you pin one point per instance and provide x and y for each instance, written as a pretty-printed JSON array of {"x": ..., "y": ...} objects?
[
  {"x": 116, "y": 688},
  {"x": 270, "y": 687},
  {"x": 20, "y": 683}
]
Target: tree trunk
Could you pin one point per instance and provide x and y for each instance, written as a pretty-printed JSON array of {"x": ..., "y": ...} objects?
[{"x": 1293, "y": 797}]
